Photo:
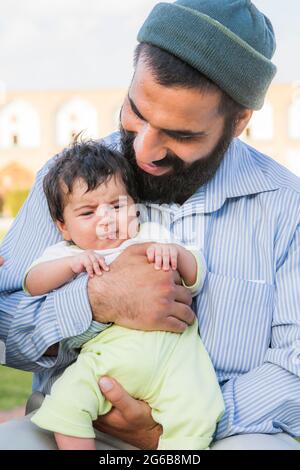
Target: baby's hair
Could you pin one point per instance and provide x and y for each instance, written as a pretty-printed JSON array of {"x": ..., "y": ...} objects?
[{"x": 90, "y": 161}]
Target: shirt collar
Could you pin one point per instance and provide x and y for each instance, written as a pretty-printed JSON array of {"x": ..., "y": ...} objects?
[{"x": 238, "y": 175}]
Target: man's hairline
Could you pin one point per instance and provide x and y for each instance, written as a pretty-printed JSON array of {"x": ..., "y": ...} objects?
[{"x": 218, "y": 90}]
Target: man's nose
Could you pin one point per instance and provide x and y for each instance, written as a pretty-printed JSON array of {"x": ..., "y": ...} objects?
[{"x": 148, "y": 145}]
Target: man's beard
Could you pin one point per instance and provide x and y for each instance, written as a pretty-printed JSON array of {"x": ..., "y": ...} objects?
[{"x": 183, "y": 179}]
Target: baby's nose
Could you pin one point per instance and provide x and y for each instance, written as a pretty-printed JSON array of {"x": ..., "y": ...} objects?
[{"x": 105, "y": 215}]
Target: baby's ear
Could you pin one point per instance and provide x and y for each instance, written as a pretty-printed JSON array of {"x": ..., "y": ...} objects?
[{"x": 63, "y": 230}]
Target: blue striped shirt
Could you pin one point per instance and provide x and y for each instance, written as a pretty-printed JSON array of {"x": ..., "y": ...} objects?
[{"x": 247, "y": 221}]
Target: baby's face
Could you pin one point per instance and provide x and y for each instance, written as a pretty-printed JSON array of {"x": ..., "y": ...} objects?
[{"x": 99, "y": 219}]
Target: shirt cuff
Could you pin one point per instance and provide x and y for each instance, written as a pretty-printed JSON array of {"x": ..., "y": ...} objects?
[
  {"x": 224, "y": 426},
  {"x": 78, "y": 341}
]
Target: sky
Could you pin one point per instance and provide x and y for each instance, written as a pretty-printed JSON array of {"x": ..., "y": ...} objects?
[{"x": 71, "y": 44}]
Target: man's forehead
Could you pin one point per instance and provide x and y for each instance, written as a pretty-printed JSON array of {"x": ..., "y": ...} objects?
[{"x": 177, "y": 104}]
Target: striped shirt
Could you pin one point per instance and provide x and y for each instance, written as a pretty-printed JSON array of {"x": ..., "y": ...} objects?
[{"x": 247, "y": 221}]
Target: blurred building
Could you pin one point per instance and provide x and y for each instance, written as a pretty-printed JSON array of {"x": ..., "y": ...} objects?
[
  {"x": 34, "y": 125},
  {"x": 275, "y": 129}
]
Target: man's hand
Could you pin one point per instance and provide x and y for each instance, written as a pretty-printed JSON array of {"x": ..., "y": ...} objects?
[
  {"x": 135, "y": 295},
  {"x": 129, "y": 420},
  {"x": 1, "y": 260}
]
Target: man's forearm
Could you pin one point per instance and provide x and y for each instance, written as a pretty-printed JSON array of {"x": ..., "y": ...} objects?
[
  {"x": 38, "y": 323},
  {"x": 101, "y": 302}
]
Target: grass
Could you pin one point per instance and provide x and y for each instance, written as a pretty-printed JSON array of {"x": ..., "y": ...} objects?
[{"x": 15, "y": 387}]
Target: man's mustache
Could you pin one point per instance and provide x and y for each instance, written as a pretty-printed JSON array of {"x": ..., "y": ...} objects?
[
  {"x": 170, "y": 160},
  {"x": 183, "y": 179}
]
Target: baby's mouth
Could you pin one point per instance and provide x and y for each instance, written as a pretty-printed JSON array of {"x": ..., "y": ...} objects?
[{"x": 106, "y": 234}]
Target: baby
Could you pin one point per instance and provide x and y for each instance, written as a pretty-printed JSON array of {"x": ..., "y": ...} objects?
[{"x": 91, "y": 196}]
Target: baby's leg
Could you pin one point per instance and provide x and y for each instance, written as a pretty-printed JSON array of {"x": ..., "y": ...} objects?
[
  {"x": 76, "y": 400},
  {"x": 189, "y": 401},
  {"x": 74, "y": 443},
  {"x": 74, "y": 403}
]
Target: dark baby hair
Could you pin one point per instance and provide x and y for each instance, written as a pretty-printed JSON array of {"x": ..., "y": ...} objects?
[{"x": 90, "y": 161}]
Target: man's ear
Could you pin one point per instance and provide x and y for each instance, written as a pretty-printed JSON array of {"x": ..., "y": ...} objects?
[
  {"x": 63, "y": 230},
  {"x": 242, "y": 121}
]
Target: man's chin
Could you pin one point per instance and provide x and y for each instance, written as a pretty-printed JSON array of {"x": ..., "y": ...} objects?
[{"x": 175, "y": 184}]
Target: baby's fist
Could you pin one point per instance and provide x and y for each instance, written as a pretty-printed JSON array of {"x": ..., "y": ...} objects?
[{"x": 163, "y": 255}]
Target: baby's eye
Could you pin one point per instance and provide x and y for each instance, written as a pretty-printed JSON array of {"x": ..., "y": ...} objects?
[{"x": 87, "y": 213}]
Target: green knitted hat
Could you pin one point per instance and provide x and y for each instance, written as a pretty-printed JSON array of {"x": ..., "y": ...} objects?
[{"x": 229, "y": 41}]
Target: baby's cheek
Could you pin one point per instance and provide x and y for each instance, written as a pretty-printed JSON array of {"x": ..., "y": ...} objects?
[{"x": 133, "y": 227}]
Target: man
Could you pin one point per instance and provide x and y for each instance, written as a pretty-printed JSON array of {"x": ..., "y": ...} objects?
[{"x": 202, "y": 67}]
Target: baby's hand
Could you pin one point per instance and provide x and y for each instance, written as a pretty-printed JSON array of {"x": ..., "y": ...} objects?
[
  {"x": 163, "y": 255},
  {"x": 88, "y": 261}
]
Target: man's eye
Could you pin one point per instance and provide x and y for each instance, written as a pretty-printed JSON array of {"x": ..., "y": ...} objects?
[
  {"x": 137, "y": 114},
  {"x": 183, "y": 138}
]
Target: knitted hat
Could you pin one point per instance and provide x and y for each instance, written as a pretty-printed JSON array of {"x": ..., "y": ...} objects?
[{"x": 229, "y": 41}]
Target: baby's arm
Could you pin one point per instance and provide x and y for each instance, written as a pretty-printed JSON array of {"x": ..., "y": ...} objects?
[
  {"x": 49, "y": 275},
  {"x": 166, "y": 255},
  {"x": 187, "y": 266},
  {"x": 74, "y": 443}
]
